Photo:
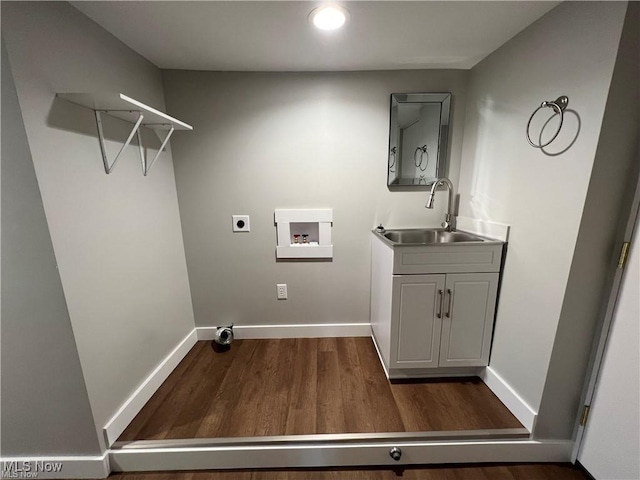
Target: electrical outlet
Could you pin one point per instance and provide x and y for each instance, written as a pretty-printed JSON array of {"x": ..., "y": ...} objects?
[
  {"x": 282, "y": 291},
  {"x": 241, "y": 223}
]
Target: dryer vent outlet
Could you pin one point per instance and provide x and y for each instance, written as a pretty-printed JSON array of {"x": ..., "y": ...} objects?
[{"x": 224, "y": 335}]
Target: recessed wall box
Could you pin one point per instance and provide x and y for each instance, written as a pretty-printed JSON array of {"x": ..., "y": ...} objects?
[{"x": 304, "y": 233}]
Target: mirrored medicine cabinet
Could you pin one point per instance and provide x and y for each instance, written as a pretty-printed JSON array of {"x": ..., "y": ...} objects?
[{"x": 418, "y": 136}]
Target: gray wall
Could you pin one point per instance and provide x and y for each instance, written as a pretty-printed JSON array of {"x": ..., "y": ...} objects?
[
  {"x": 292, "y": 140},
  {"x": 117, "y": 238},
  {"x": 45, "y": 407},
  {"x": 570, "y": 51},
  {"x": 605, "y": 216}
]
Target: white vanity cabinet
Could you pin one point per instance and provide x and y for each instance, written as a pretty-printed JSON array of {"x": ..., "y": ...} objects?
[
  {"x": 416, "y": 321},
  {"x": 434, "y": 324},
  {"x": 442, "y": 320}
]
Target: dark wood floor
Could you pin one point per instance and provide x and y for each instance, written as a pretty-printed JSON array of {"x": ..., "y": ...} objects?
[
  {"x": 306, "y": 386},
  {"x": 472, "y": 472}
]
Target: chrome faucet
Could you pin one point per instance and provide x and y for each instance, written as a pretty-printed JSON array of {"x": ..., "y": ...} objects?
[{"x": 449, "y": 219}]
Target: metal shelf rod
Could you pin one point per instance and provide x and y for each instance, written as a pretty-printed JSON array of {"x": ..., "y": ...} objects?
[
  {"x": 164, "y": 144},
  {"x": 109, "y": 168}
]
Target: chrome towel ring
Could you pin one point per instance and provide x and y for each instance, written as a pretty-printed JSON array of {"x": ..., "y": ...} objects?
[
  {"x": 558, "y": 106},
  {"x": 423, "y": 151},
  {"x": 392, "y": 159}
]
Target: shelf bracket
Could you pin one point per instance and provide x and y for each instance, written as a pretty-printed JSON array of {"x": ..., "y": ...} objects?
[
  {"x": 147, "y": 166},
  {"x": 136, "y": 130}
]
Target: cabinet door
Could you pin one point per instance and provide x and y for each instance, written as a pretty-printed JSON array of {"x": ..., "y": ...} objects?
[
  {"x": 416, "y": 322},
  {"x": 467, "y": 321}
]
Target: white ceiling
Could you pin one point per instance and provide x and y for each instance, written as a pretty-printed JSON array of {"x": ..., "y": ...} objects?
[{"x": 276, "y": 35}]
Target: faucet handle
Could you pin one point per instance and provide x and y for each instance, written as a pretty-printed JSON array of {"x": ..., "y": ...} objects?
[
  {"x": 380, "y": 229},
  {"x": 448, "y": 222}
]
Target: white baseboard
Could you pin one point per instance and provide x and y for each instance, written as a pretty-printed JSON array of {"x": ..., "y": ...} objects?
[
  {"x": 507, "y": 395},
  {"x": 384, "y": 365},
  {"x": 55, "y": 467},
  {"x": 147, "y": 388},
  {"x": 292, "y": 331},
  {"x": 287, "y": 455}
]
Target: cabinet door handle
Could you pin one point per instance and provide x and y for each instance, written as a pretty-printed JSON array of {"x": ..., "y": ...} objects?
[
  {"x": 450, "y": 293},
  {"x": 439, "y": 312}
]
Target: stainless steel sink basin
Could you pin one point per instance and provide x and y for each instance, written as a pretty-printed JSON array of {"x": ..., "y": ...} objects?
[{"x": 429, "y": 237}]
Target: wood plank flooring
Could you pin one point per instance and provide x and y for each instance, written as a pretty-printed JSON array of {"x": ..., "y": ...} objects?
[
  {"x": 306, "y": 386},
  {"x": 459, "y": 472}
]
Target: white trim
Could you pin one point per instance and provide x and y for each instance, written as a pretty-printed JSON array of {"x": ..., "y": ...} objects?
[
  {"x": 292, "y": 331},
  {"x": 338, "y": 455},
  {"x": 71, "y": 467},
  {"x": 498, "y": 231},
  {"x": 147, "y": 388},
  {"x": 287, "y": 215},
  {"x": 304, "y": 251},
  {"x": 507, "y": 395},
  {"x": 384, "y": 366}
]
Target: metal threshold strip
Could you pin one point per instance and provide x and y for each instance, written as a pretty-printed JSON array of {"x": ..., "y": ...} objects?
[{"x": 324, "y": 439}]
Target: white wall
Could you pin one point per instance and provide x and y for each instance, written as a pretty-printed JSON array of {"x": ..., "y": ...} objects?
[
  {"x": 117, "y": 238},
  {"x": 45, "y": 407},
  {"x": 570, "y": 51},
  {"x": 292, "y": 140}
]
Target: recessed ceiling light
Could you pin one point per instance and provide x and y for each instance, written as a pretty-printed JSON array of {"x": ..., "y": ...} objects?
[{"x": 329, "y": 17}]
